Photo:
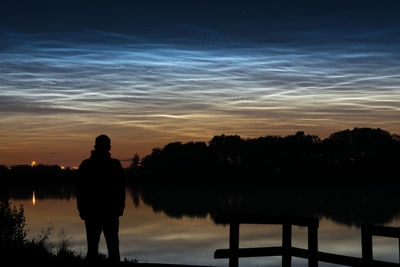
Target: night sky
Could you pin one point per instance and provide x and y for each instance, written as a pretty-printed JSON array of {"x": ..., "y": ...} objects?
[{"x": 151, "y": 72}]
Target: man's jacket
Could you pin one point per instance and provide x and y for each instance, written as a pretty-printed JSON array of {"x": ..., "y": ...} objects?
[{"x": 100, "y": 187}]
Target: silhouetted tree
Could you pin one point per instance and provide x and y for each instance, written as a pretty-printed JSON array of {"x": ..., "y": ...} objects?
[
  {"x": 135, "y": 161},
  {"x": 176, "y": 160},
  {"x": 352, "y": 155},
  {"x": 361, "y": 153},
  {"x": 135, "y": 169},
  {"x": 227, "y": 150},
  {"x": 38, "y": 175},
  {"x": 4, "y": 172}
]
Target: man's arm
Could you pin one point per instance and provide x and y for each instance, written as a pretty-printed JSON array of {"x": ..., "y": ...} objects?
[
  {"x": 121, "y": 187},
  {"x": 81, "y": 189}
]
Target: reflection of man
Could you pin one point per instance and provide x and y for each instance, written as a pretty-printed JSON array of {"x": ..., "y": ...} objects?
[{"x": 101, "y": 198}]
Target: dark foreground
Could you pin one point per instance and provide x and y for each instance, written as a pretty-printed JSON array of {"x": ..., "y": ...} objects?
[
  {"x": 17, "y": 250},
  {"x": 25, "y": 258}
]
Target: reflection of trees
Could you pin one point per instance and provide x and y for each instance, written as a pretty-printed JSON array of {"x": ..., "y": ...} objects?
[
  {"x": 41, "y": 192},
  {"x": 351, "y": 205},
  {"x": 48, "y": 182}
]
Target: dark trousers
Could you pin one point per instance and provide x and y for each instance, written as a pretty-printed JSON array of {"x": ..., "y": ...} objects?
[{"x": 110, "y": 227}]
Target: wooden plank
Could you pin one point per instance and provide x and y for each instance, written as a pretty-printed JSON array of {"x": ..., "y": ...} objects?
[
  {"x": 249, "y": 252},
  {"x": 261, "y": 219},
  {"x": 287, "y": 251},
  {"x": 286, "y": 244},
  {"x": 328, "y": 257},
  {"x": 234, "y": 244},
  {"x": 312, "y": 246},
  {"x": 366, "y": 244},
  {"x": 300, "y": 253},
  {"x": 339, "y": 259},
  {"x": 384, "y": 231}
]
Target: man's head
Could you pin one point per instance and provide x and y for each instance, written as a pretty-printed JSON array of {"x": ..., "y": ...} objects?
[{"x": 103, "y": 143}]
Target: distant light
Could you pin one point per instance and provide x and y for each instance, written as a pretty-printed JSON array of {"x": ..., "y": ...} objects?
[
  {"x": 33, "y": 163},
  {"x": 75, "y": 168},
  {"x": 62, "y": 167},
  {"x": 33, "y": 198}
]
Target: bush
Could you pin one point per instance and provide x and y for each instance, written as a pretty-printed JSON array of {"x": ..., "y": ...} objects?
[{"x": 12, "y": 225}]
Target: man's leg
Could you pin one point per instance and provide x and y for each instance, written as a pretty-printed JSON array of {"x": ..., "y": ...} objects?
[
  {"x": 110, "y": 228},
  {"x": 93, "y": 232}
]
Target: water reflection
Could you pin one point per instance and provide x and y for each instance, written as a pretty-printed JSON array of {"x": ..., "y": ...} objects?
[
  {"x": 42, "y": 192},
  {"x": 175, "y": 224},
  {"x": 350, "y": 205}
]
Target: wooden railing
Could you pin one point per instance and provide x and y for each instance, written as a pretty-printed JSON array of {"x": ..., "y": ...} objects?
[
  {"x": 287, "y": 251},
  {"x": 369, "y": 230}
]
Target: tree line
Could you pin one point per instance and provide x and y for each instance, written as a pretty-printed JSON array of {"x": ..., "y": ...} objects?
[
  {"x": 352, "y": 155},
  {"x": 357, "y": 154},
  {"x": 27, "y": 175}
]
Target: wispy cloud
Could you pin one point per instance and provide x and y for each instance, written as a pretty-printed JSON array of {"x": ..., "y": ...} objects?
[{"x": 172, "y": 89}]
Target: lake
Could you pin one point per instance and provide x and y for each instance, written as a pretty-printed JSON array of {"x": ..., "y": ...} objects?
[{"x": 175, "y": 225}]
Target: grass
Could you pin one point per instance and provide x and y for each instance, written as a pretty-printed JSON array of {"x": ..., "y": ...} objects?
[{"x": 17, "y": 250}]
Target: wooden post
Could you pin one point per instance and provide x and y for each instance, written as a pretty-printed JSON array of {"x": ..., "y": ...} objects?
[
  {"x": 366, "y": 244},
  {"x": 313, "y": 245},
  {"x": 234, "y": 244},
  {"x": 286, "y": 244}
]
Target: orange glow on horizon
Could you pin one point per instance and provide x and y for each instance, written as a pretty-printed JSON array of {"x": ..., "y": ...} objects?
[{"x": 72, "y": 151}]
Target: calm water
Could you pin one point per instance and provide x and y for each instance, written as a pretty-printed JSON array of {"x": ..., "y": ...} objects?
[{"x": 148, "y": 234}]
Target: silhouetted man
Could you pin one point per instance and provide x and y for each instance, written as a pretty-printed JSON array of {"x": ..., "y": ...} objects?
[{"x": 101, "y": 198}]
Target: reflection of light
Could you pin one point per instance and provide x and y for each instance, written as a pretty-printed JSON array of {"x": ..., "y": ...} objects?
[
  {"x": 33, "y": 198},
  {"x": 33, "y": 163}
]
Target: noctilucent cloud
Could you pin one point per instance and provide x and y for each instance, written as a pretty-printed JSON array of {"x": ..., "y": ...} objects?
[{"x": 63, "y": 84}]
